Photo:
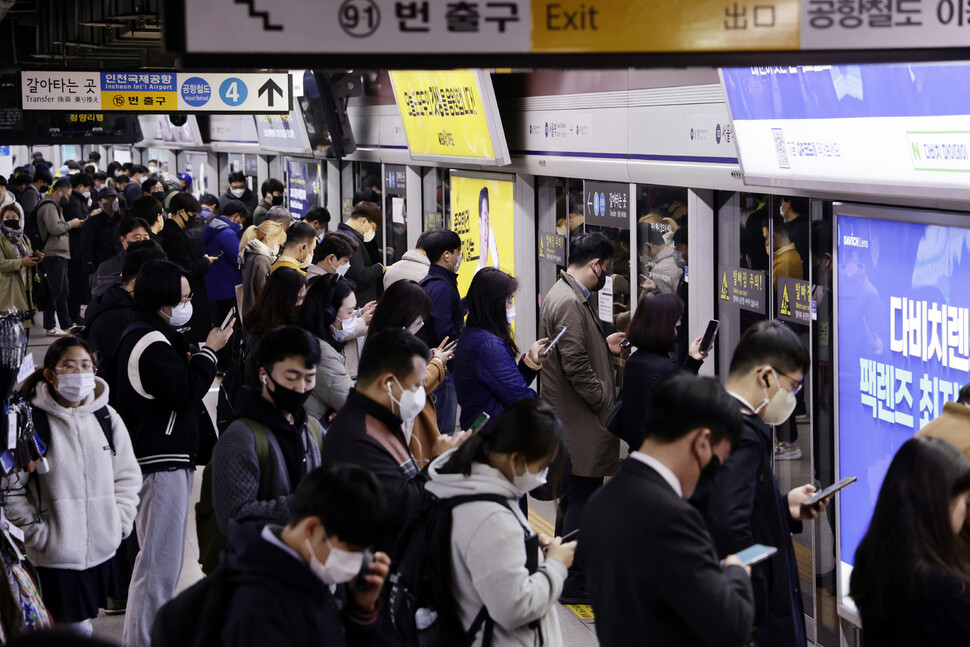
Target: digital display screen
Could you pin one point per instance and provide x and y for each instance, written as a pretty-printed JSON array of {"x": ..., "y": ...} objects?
[{"x": 903, "y": 326}]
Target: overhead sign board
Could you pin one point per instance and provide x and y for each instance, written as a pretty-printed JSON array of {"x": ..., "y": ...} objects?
[
  {"x": 156, "y": 91},
  {"x": 368, "y": 27},
  {"x": 883, "y": 129},
  {"x": 607, "y": 204},
  {"x": 451, "y": 115}
]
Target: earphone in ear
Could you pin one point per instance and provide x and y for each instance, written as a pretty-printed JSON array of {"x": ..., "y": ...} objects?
[{"x": 265, "y": 381}]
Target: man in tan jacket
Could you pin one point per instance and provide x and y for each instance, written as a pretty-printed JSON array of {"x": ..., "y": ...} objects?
[{"x": 577, "y": 381}]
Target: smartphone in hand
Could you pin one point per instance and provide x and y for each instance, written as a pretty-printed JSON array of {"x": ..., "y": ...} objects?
[
  {"x": 552, "y": 342},
  {"x": 359, "y": 582},
  {"x": 707, "y": 342},
  {"x": 225, "y": 322}
]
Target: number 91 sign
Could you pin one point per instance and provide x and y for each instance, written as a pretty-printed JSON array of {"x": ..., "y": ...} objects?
[{"x": 359, "y": 18}]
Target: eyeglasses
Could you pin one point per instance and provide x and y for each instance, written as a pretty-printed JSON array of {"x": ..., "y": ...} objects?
[
  {"x": 85, "y": 366},
  {"x": 798, "y": 383}
]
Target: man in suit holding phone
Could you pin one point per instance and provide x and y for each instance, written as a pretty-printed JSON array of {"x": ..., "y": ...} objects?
[{"x": 655, "y": 577}]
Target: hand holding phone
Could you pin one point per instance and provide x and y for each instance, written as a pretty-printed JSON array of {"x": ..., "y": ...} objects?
[
  {"x": 229, "y": 318},
  {"x": 829, "y": 491},
  {"x": 478, "y": 423},
  {"x": 707, "y": 341},
  {"x": 359, "y": 582},
  {"x": 552, "y": 342},
  {"x": 754, "y": 554}
]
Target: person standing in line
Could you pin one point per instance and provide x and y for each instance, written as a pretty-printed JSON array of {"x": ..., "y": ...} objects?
[
  {"x": 160, "y": 389},
  {"x": 258, "y": 248},
  {"x": 54, "y": 232},
  {"x": 414, "y": 265},
  {"x": 17, "y": 263},
  {"x": 220, "y": 239},
  {"x": 238, "y": 190},
  {"x": 297, "y": 251},
  {"x": 365, "y": 269},
  {"x": 911, "y": 578},
  {"x": 272, "y": 194},
  {"x": 578, "y": 383},
  {"x": 658, "y": 581}
]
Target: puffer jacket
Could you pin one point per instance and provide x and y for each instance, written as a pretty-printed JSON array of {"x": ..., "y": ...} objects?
[
  {"x": 85, "y": 505},
  {"x": 488, "y": 560},
  {"x": 487, "y": 377},
  {"x": 333, "y": 383}
]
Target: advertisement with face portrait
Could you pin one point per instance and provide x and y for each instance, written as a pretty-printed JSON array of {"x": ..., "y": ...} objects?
[{"x": 482, "y": 216}]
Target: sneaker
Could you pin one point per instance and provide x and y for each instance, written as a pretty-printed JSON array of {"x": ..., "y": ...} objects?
[
  {"x": 788, "y": 451},
  {"x": 56, "y": 332},
  {"x": 115, "y": 606}
]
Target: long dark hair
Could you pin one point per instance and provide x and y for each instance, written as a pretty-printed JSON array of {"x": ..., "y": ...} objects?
[
  {"x": 53, "y": 355},
  {"x": 275, "y": 305},
  {"x": 654, "y": 325},
  {"x": 911, "y": 531},
  {"x": 487, "y": 295},
  {"x": 400, "y": 305},
  {"x": 528, "y": 426},
  {"x": 319, "y": 309}
]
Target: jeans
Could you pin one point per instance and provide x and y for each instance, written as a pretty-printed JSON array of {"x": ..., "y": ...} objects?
[
  {"x": 446, "y": 404},
  {"x": 161, "y": 525},
  {"x": 56, "y": 269}
]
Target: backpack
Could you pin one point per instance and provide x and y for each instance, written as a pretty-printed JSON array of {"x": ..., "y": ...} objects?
[
  {"x": 232, "y": 386},
  {"x": 195, "y": 617},
  {"x": 42, "y": 426},
  {"x": 419, "y": 600},
  {"x": 32, "y": 227},
  {"x": 212, "y": 543}
]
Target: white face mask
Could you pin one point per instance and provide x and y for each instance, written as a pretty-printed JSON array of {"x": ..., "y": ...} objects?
[
  {"x": 411, "y": 402},
  {"x": 510, "y": 314},
  {"x": 153, "y": 169},
  {"x": 779, "y": 407},
  {"x": 369, "y": 236},
  {"x": 457, "y": 264},
  {"x": 349, "y": 326},
  {"x": 320, "y": 235},
  {"x": 340, "y": 270},
  {"x": 341, "y": 566},
  {"x": 237, "y": 192},
  {"x": 86, "y": 194},
  {"x": 528, "y": 481},
  {"x": 181, "y": 314},
  {"x": 75, "y": 387},
  {"x": 416, "y": 326}
]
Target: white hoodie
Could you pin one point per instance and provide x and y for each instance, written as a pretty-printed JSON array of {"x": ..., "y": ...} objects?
[
  {"x": 88, "y": 498},
  {"x": 488, "y": 560}
]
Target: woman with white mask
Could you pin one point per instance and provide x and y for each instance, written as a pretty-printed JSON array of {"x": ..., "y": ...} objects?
[
  {"x": 506, "y": 579},
  {"x": 82, "y": 500},
  {"x": 405, "y": 304},
  {"x": 329, "y": 302},
  {"x": 258, "y": 248}
]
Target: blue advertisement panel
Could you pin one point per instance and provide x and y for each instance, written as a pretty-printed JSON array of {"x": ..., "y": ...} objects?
[
  {"x": 903, "y": 342},
  {"x": 297, "y": 189}
]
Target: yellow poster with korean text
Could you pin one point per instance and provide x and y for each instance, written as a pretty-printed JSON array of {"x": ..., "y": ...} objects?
[{"x": 482, "y": 216}]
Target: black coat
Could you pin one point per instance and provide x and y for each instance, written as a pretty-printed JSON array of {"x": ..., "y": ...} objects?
[
  {"x": 99, "y": 240},
  {"x": 107, "y": 318},
  {"x": 645, "y": 370},
  {"x": 745, "y": 507},
  {"x": 364, "y": 271},
  {"x": 652, "y": 571},
  {"x": 186, "y": 250},
  {"x": 280, "y": 601}
]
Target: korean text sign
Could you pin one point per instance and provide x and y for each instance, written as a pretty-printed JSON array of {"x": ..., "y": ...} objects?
[
  {"x": 482, "y": 216},
  {"x": 903, "y": 326}
]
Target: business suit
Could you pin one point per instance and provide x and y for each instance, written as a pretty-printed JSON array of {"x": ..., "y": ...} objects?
[{"x": 653, "y": 573}]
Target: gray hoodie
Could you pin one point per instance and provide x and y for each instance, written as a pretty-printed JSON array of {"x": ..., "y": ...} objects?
[{"x": 488, "y": 560}]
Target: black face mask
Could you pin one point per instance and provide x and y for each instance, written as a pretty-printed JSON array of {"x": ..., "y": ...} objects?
[
  {"x": 11, "y": 224},
  {"x": 600, "y": 282},
  {"x": 277, "y": 200},
  {"x": 287, "y": 399}
]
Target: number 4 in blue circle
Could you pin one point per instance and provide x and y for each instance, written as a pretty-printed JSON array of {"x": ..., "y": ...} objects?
[{"x": 233, "y": 91}]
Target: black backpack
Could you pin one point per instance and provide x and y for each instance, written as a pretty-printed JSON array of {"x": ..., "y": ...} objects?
[
  {"x": 42, "y": 426},
  {"x": 419, "y": 600},
  {"x": 32, "y": 228},
  {"x": 196, "y": 616}
]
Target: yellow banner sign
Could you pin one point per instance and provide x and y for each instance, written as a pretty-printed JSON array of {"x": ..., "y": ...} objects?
[
  {"x": 444, "y": 114},
  {"x": 482, "y": 216},
  {"x": 564, "y": 26}
]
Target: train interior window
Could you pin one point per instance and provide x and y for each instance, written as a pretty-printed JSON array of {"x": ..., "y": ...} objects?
[{"x": 395, "y": 211}]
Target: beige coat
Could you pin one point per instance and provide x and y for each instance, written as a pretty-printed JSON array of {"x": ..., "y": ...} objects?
[
  {"x": 577, "y": 379},
  {"x": 16, "y": 281}
]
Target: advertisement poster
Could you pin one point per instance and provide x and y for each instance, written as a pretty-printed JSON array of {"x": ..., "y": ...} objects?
[
  {"x": 481, "y": 215},
  {"x": 903, "y": 330}
]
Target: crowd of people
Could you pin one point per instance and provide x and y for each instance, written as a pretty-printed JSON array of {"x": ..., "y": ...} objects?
[{"x": 338, "y": 440}]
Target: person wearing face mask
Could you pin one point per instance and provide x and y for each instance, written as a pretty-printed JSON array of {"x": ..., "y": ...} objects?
[
  {"x": 369, "y": 429},
  {"x": 245, "y": 484},
  {"x": 659, "y": 580},
  {"x": 447, "y": 319},
  {"x": 329, "y": 300},
  {"x": 742, "y": 503},
  {"x": 277, "y": 304},
  {"x": 54, "y": 233},
  {"x": 133, "y": 190},
  {"x": 238, "y": 190},
  {"x": 272, "y": 192},
  {"x": 100, "y": 239},
  {"x": 490, "y": 374},
  {"x": 288, "y": 572},
  {"x": 334, "y": 252},
  {"x": 210, "y": 206},
  {"x": 6, "y": 195},
  {"x": 17, "y": 263},
  {"x": 415, "y": 264},
  {"x": 406, "y": 305},
  {"x": 130, "y": 230},
  {"x": 78, "y": 511},
  {"x": 679, "y": 241},
  {"x": 79, "y": 207},
  {"x": 258, "y": 248},
  {"x": 578, "y": 382},
  {"x": 35, "y": 191},
  {"x": 220, "y": 239},
  {"x": 663, "y": 274},
  {"x": 319, "y": 217},
  {"x": 297, "y": 251},
  {"x": 365, "y": 270},
  {"x": 497, "y": 562},
  {"x": 160, "y": 389}
]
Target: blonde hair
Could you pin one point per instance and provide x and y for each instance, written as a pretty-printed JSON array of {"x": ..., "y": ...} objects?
[{"x": 269, "y": 232}]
